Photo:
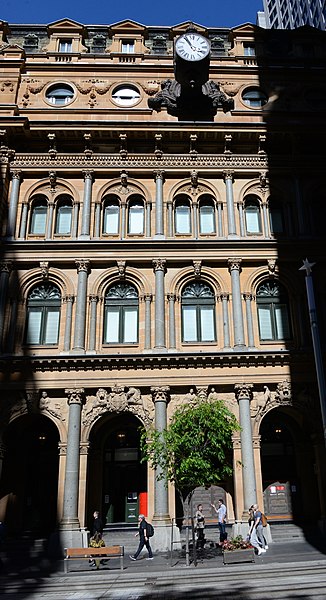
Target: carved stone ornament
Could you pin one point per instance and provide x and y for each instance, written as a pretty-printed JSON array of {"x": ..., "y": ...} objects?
[
  {"x": 202, "y": 393},
  {"x": 170, "y": 98},
  {"x": 197, "y": 268},
  {"x": 271, "y": 265},
  {"x": 260, "y": 402},
  {"x": 44, "y": 266},
  {"x": 121, "y": 264},
  {"x": 284, "y": 392},
  {"x": 46, "y": 404},
  {"x": 243, "y": 391},
  {"x": 118, "y": 400}
]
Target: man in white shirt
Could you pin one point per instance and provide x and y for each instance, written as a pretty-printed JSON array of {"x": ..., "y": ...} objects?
[{"x": 221, "y": 516}]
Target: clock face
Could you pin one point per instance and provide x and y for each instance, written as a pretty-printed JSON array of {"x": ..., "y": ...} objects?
[{"x": 192, "y": 46}]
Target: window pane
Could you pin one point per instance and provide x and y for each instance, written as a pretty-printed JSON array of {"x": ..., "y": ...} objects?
[
  {"x": 111, "y": 219},
  {"x": 182, "y": 219},
  {"x": 276, "y": 220},
  {"x": 64, "y": 219},
  {"x": 111, "y": 334},
  {"x": 207, "y": 324},
  {"x": 252, "y": 220},
  {"x": 38, "y": 220},
  {"x": 130, "y": 326},
  {"x": 136, "y": 219},
  {"x": 189, "y": 324},
  {"x": 265, "y": 323},
  {"x": 34, "y": 319},
  {"x": 282, "y": 322},
  {"x": 206, "y": 219},
  {"x": 51, "y": 329}
]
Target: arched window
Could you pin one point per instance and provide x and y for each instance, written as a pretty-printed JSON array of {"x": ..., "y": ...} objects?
[
  {"x": 273, "y": 312},
  {"x": 276, "y": 221},
  {"x": 182, "y": 215},
  {"x": 111, "y": 214},
  {"x": 121, "y": 314},
  {"x": 136, "y": 215},
  {"x": 63, "y": 215},
  {"x": 198, "y": 313},
  {"x": 206, "y": 215},
  {"x": 38, "y": 215},
  {"x": 252, "y": 214},
  {"x": 43, "y": 315}
]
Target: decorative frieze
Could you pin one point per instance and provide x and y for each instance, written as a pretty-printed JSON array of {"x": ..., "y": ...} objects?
[{"x": 121, "y": 399}]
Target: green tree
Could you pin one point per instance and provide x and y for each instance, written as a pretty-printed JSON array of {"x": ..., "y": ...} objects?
[{"x": 194, "y": 449}]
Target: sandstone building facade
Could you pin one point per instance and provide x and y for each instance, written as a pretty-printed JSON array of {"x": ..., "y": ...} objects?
[{"x": 151, "y": 248}]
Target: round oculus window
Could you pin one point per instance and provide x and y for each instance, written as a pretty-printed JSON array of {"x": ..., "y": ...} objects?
[
  {"x": 254, "y": 97},
  {"x": 126, "y": 95},
  {"x": 60, "y": 94}
]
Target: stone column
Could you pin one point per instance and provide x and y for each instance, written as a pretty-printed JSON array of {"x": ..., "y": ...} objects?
[
  {"x": 159, "y": 221},
  {"x": 13, "y": 203},
  {"x": 248, "y": 298},
  {"x": 171, "y": 301},
  {"x": 97, "y": 225},
  {"x": 69, "y": 300},
  {"x": 49, "y": 225},
  {"x": 5, "y": 270},
  {"x": 228, "y": 179},
  {"x": 11, "y": 340},
  {"x": 23, "y": 221},
  {"x": 93, "y": 299},
  {"x": 219, "y": 219},
  {"x": 265, "y": 219},
  {"x": 148, "y": 320},
  {"x": 243, "y": 394},
  {"x": 123, "y": 205},
  {"x": 161, "y": 506},
  {"x": 241, "y": 219},
  {"x": 83, "y": 267},
  {"x": 148, "y": 231},
  {"x": 70, "y": 521},
  {"x": 234, "y": 268},
  {"x": 170, "y": 219},
  {"x": 86, "y": 216},
  {"x": 75, "y": 220},
  {"x": 159, "y": 270},
  {"x": 195, "y": 219},
  {"x": 226, "y": 327}
]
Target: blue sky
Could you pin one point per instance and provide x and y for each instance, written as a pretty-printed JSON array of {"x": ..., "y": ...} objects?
[{"x": 218, "y": 13}]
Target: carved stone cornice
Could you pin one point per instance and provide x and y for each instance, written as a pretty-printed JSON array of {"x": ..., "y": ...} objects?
[{"x": 75, "y": 396}]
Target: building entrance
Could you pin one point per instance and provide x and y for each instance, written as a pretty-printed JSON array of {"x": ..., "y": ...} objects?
[
  {"x": 29, "y": 484},
  {"x": 117, "y": 479},
  {"x": 289, "y": 481}
]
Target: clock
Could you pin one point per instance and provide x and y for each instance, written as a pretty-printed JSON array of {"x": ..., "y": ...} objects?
[{"x": 192, "y": 47}]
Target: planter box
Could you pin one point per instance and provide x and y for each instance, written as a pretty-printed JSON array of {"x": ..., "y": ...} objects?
[{"x": 238, "y": 556}]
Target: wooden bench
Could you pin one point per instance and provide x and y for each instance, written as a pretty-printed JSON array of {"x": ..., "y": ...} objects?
[{"x": 93, "y": 554}]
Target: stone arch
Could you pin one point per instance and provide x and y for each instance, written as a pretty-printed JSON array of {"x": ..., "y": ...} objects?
[
  {"x": 111, "y": 276},
  {"x": 114, "y": 187},
  {"x": 34, "y": 277},
  {"x": 185, "y": 187},
  {"x": 186, "y": 275},
  {"x": 43, "y": 187}
]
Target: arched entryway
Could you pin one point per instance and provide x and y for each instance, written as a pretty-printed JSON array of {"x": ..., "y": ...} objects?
[
  {"x": 29, "y": 483},
  {"x": 117, "y": 481},
  {"x": 288, "y": 468}
]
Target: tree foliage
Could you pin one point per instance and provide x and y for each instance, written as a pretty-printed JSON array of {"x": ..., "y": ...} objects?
[{"x": 194, "y": 449}]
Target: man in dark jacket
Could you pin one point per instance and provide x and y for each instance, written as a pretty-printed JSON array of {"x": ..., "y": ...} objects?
[
  {"x": 143, "y": 539},
  {"x": 97, "y": 524}
]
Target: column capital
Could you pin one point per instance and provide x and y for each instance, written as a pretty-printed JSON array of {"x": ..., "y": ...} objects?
[
  {"x": 75, "y": 396},
  {"x": 16, "y": 174},
  {"x": 159, "y": 264},
  {"x": 159, "y": 174},
  {"x": 160, "y": 394},
  {"x": 228, "y": 175},
  {"x": 69, "y": 298},
  {"x": 147, "y": 297},
  {"x": 82, "y": 265},
  {"x": 247, "y": 296},
  {"x": 243, "y": 391},
  {"x": 6, "y": 266},
  {"x": 234, "y": 264},
  {"x": 171, "y": 297},
  {"x": 224, "y": 295},
  {"x": 93, "y": 298},
  {"x": 89, "y": 174}
]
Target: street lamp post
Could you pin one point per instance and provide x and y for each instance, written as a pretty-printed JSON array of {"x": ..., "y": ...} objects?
[{"x": 307, "y": 266}]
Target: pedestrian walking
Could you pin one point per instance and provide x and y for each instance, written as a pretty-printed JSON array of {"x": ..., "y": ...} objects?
[
  {"x": 256, "y": 530},
  {"x": 221, "y": 517},
  {"x": 97, "y": 526},
  {"x": 96, "y": 542},
  {"x": 143, "y": 539},
  {"x": 200, "y": 527}
]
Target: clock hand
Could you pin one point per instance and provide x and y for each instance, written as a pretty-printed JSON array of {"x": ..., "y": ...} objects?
[{"x": 189, "y": 44}]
